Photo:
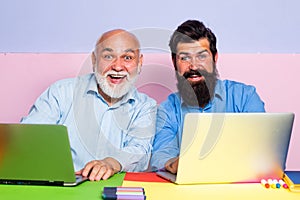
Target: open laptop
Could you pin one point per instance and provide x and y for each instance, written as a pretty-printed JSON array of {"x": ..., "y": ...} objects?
[
  {"x": 35, "y": 154},
  {"x": 232, "y": 147}
]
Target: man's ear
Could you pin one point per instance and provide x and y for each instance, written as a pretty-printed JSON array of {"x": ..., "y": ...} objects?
[
  {"x": 141, "y": 60},
  {"x": 140, "y": 64},
  {"x": 93, "y": 56},
  {"x": 139, "y": 69},
  {"x": 174, "y": 63},
  {"x": 216, "y": 57}
]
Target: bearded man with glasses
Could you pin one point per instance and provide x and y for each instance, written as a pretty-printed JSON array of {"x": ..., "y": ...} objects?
[{"x": 194, "y": 55}]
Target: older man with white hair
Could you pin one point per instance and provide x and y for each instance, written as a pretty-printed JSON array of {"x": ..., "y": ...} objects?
[{"x": 111, "y": 125}]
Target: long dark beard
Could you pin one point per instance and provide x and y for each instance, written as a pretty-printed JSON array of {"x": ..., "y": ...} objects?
[{"x": 198, "y": 94}]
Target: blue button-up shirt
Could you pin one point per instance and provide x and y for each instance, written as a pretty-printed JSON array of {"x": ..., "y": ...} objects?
[
  {"x": 230, "y": 96},
  {"x": 123, "y": 131}
]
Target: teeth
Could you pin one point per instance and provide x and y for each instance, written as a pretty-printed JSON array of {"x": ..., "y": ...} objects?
[
  {"x": 117, "y": 76},
  {"x": 193, "y": 76}
]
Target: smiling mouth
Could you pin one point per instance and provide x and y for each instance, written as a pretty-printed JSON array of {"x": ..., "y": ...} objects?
[
  {"x": 193, "y": 75},
  {"x": 116, "y": 76},
  {"x": 195, "y": 78}
]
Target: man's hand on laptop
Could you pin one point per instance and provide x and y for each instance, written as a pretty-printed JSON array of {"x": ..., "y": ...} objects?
[
  {"x": 172, "y": 165},
  {"x": 100, "y": 169}
]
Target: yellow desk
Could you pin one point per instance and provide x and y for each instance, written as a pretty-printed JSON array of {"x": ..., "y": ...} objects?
[{"x": 171, "y": 191}]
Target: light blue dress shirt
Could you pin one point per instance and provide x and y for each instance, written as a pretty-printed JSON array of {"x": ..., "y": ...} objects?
[
  {"x": 230, "y": 96},
  {"x": 96, "y": 130}
]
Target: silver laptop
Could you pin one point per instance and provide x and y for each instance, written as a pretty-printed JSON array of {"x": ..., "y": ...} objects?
[
  {"x": 232, "y": 147},
  {"x": 33, "y": 154}
]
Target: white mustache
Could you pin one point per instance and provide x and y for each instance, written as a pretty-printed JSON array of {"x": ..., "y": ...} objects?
[{"x": 114, "y": 73}]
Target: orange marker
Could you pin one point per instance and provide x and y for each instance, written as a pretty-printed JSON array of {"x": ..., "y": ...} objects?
[{"x": 265, "y": 183}]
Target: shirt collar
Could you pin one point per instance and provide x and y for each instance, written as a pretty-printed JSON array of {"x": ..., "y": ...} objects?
[
  {"x": 92, "y": 85},
  {"x": 220, "y": 90}
]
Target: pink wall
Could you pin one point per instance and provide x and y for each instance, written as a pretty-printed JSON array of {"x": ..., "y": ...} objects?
[
  {"x": 24, "y": 76},
  {"x": 276, "y": 79}
]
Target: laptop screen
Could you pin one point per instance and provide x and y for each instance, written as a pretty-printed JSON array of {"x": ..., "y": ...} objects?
[
  {"x": 233, "y": 147},
  {"x": 31, "y": 153}
]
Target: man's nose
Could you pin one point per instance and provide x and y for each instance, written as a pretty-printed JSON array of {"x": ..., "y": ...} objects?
[
  {"x": 194, "y": 63},
  {"x": 117, "y": 65}
]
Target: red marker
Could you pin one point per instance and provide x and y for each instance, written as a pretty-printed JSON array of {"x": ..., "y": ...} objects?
[
  {"x": 283, "y": 184},
  {"x": 265, "y": 183}
]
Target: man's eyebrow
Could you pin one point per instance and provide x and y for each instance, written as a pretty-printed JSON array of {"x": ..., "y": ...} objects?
[
  {"x": 205, "y": 50},
  {"x": 130, "y": 51},
  {"x": 107, "y": 49},
  {"x": 111, "y": 50},
  {"x": 187, "y": 53},
  {"x": 183, "y": 53}
]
